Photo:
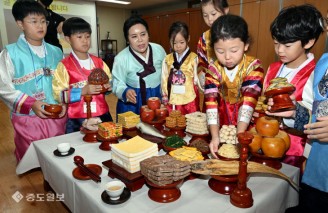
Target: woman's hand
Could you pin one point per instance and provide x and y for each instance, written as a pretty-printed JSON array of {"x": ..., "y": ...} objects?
[
  {"x": 318, "y": 130},
  {"x": 108, "y": 87},
  {"x": 214, "y": 145},
  {"x": 131, "y": 96}
]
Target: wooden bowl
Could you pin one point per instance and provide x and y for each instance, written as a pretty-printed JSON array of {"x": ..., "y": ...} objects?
[
  {"x": 54, "y": 109},
  {"x": 281, "y": 99},
  {"x": 169, "y": 149}
]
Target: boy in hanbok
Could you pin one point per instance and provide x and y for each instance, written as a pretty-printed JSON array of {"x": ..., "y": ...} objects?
[
  {"x": 234, "y": 81},
  {"x": 313, "y": 194},
  {"x": 137, "y": 68},
  {"x": 26, "y": 72},
  {"x": 294, "y": 31},
  {"x": 70, "y": 82},
  {"x": 179, "y": 73}
]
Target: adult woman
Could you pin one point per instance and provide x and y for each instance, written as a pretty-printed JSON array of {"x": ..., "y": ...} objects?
[{"x": 137, "y": 68}]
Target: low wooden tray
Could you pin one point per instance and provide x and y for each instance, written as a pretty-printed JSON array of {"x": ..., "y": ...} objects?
[{"x": 133, "y": 181}]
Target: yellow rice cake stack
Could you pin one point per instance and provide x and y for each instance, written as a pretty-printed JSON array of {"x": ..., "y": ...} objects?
[
  {"x": 130, "y": 153},
  {"x": 128, "y": 119}
]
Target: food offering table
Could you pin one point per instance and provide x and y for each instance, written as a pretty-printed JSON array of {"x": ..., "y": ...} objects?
[{"x": 270, "y": 194}]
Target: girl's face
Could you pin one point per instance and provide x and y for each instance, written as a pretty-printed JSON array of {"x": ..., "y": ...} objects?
[
  {"x": 292, "y": 54},
  {"x": 80, "y": 43},
  {"x": 230, "y": 52},
  {"x": 210, "y": 14},
  {"x": 179, "y": 44},
  {"x": 34, "y": 27},
  {"x": 138, "y": 38}
]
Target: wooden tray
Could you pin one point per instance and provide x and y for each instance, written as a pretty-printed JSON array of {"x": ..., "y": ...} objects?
[{"x": 133, "y": 181}]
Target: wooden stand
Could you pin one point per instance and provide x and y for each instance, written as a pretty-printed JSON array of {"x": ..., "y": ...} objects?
[
  {"x": 164, "y": 194},
  {"x": 224, "y": 184},
  {"x": 180, "y": 131},
  {"x": 262, "y": 159},
  {"x": 90, "y": 136},
  {"x": 133, "y": 181},
  {"x": 106, "y": 142},
  {"x": 281, "y": 99},
  {"x": 241, "y": 195}
]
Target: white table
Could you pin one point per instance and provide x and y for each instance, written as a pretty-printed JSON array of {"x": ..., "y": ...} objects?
[{"x": 270, "y": 194}]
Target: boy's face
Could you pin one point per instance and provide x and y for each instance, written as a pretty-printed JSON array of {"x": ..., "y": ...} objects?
[
  {"x": 292, "y": 53},
  {"x": 34, "y": 27},
  {"x": 80, "y": 42},
  {"x": 230, "y": 52}
]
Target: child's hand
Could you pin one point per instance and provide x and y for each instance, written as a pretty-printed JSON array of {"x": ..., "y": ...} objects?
[
  {"x": 63, "y": 112},
  {"x": 91, "y": 89},
  {"x": 131, "y": 96},
  {"x": 108, "y": 87},
  {"x": 318, "y": 130},
  {"x": 284, "y": 114},
  {"x": 37, "y": 108},
  {"x": 214, "y": 145}
]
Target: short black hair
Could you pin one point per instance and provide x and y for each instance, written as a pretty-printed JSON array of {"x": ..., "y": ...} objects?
[
  {"x": 297, "y": 23},
  {"x": 178, "y": 27},
  {"x": 229, "y": 27},
  {"x": 133, "y": 20},
  {"x": 76, "y": 25},
  {"x": 220, "y": 5},
  {"x": 23, "y": 8}
]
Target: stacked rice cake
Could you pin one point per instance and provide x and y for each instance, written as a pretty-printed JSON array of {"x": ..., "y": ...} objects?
[
  {"x": 110, "y": 130},
  {"x": 197, "y": 123},
  {"x": 130, "y": 153},
  {"x": 128, "y": 119},
  {"x": 163, "y": 170}
]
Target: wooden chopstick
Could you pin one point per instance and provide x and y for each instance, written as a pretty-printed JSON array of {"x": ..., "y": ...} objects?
[{"x": 89, "y": 172}]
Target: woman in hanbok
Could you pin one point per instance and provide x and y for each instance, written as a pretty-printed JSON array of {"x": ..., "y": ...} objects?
[{"x": 137, "y": 68}]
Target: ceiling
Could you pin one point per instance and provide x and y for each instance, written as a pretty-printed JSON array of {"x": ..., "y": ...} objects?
[{"x": 139, "y": 4}]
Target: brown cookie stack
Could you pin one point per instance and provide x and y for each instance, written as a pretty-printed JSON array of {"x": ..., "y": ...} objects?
[
  {"x": 163, "y": 170},
  {"x": 175, "y": 119}
]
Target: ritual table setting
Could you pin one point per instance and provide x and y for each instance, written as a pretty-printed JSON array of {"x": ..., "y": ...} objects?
[{"x": 160, "y": 169}]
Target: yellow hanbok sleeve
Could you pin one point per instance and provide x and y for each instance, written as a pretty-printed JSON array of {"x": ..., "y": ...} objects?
[{"x": 60, "y": 81}]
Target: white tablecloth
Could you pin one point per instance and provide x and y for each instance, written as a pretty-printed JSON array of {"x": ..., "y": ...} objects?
[{"x": 270, "y": 194}]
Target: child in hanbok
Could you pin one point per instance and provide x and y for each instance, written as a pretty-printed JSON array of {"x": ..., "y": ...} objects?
[
  {"x": 70, "y": 83},
  {"x": 179, "y": 82},
  {"x": 211, "y": 10},
  {"x": 233, "y": 82},
  {"x": 26, "y": 72},
  {"x": 294, "y": 31}
]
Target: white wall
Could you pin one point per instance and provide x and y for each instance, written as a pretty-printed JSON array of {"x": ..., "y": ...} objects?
[{"x": 112, "y": 20}]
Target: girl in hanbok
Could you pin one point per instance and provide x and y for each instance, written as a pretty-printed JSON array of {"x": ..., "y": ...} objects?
[
  {"x": 233, "y": 82},
  {"x": 294, "y": 31},
  {"x": 137, "y": 68},
  {"x": 179, "y": 73},
  {"x": 211, "y": 10}
]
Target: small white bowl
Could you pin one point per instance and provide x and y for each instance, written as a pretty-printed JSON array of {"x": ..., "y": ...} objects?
[
  {"x": 63, "y": 148},
  {"x": 114, "y": 189}
]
